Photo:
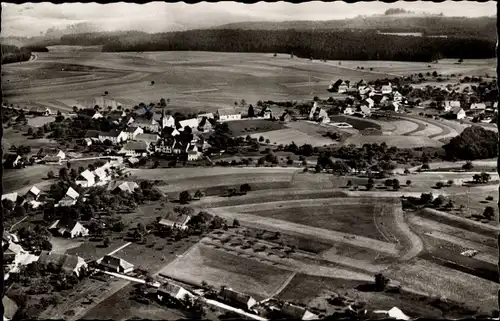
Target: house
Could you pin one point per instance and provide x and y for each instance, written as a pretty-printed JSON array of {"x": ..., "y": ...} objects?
[
  {"x": 166, "y": 120},
  {"x": 68, "y": 228},
  {"x": 97, "y": 115},
  {"x": 180, "y": 147},
  {"x": 394, "y": 106},
  {"x": 266, "y": 113},
  {"x": 165, "y": 145},
  {"x": 228, "y": 114},
  {"x": 192, "y": 123},
  {"x": 297, "y": 312},
  {"x": 69, "y": 199},
  {"x": 343, "y": 87},
  {"x": 237, "y": 299},
  {"x": 132, "y": 132},
  {"x": 40, "y": 111},
  {"x": 205, "y": 125},
  {"x": 87, "y": 141},
  {"x": 11, "y": 197},
  {"x": 102, "y": 174},
  {"x": 85, "y": 179},
  {"x": 147, "y": 138},
  {"x": 135, "y": 148},
  {"x": 477, "y": 106},
  {"x": 348, "y": 111},
  {"x": 115, "y": 264},
  {"x": 63, "y": 262},
  {"x": 147, "y": 124},
  {"x": 397, "y": 97},
  {"x": 114, "y": 136},
  {"x": 205, "y": 115},
  {"x": 52, "y": 160},
  {"x": 448, "y": 105},
  {"x": 318, "y": 114},
  {"x": 13, "y": 161},
  {"x": 133, "y": 161},
  {"x": 370, "y": 103},
  {"x": 286, "y": 117},
  {"x": 361, "y": 84},
  {"x": 193, "y": 153},
  {"x": 92, "y": 134},
  {"x": 170, "y": 131},
  {"x": 121, "y": 186},
  {"x": 32, "y": 194},
  {"x": 173, "y": 220},
  {"x": 458, "y": 113},
  {"x": 386, "y": 89},
  {"x": 170, "y": 290}
]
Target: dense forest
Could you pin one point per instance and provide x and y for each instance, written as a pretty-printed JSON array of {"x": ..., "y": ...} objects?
[
  {"x": 11, "y": 54},
  {"x": 481, "y": 27},
  {"x": 341, "y": 45}
]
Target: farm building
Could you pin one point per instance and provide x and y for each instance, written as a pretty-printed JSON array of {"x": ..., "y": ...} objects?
[
  {"x": 148, "y": 124},
  {"x": 173, "y": 220},
  {"x": 205, "y": 125},
  {"x": 40, "y": 111},
  {"x": 69, "y": 199},
  {"x": 115, "y": 264},
  {"x": 228, "y": 114},
  {"x": 318, "y": 114},
  {"x": 121, "y": 186},
  {"x": 115, "y": 136},
  {"x": 135, "y": 148},
  {"x": 238, "y": 299},
  {"x": 192, "y": 123},
  {"x": 477, "y": 106},
  {"x": 13, "y": 161},
  {"x": 32, "y": 194},
  {"x": 297, "y": 312},
  {"x": 85, "y": 179},
  {"x": 132, "y": 132},
  {"x": 450, "y": 104},
  {"x": 68, "y": 228},
  {"x": 266, "y": 112},
  {"x": 165, "y": 145},
  {"x": 63, "y": 262},
  {"x": 147, "y": 138},
  {"x": 170, "y": 290},
  {"x": 458, "y": 113}
]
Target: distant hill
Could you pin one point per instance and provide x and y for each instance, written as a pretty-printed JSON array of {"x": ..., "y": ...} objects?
[{"x": 483, "y": 27}]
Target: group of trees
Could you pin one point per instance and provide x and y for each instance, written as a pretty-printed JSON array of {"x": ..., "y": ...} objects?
[
  {"x": 474, "y": 142},
  {"x": 11, "y": 54},
  {"x": 320, "y": 44}
]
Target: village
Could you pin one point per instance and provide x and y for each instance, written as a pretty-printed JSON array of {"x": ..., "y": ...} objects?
[{"x": 78, "y": 202}]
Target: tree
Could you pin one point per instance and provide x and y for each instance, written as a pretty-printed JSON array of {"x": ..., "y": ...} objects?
[
  {"x": 30, "y": 131},
  {"x": 395, "y": 184},
  {"x": 460, "y": 60},
  {"x": 251, "y": 112},
  {"x": 381, "y": 282},
  {"x": 489, "y": 213},
  {"x": 485, "y": 177},
  {"x": 349, "y": 183},
  {"x": 63, "y": 174},
  {"x": 468, "y": 166},
  {"x": 439, "y": 201},
  {"x": 369, "y": 186},
  {"x": 450, "y": 182},
  {"x": 245, "y": 188},
  {"x": 243, "y": 103},
  {"x": 408, "y": 182},
  {"x": 474, "y": 142},
  {"x": 388, "y": 182},
  {"x": 106, "y": 242},
  {"x": 261, "y": 139},
  {"x": 407, "y": 171},
  {"x": 268, "y": 141},
  {"x": 152, "y": 82},
  {"x": 185, "y": 197},
  {"x": 50, "y": 174},
  {"x": 439, "y": 185}
]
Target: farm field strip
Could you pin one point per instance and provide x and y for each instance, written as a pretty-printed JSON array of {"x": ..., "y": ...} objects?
[
  {"x": 398, "y": 141},
  {"x": 184, "y": 173},
  {"x": 288, "y": 227},
  {"x": 284, "y": 136},
  {"x": 482, "y": 255}
]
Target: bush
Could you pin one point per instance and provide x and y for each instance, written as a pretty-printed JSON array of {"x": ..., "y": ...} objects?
[
  {"x": 468, "y": 165},
  {"x": 489, "y": 212},
  {"x": 439, "y": 185},
  {"x": 450, "y": 182},
  {"x": 50, "y": 174},
  {"x": 408, "y": 182},
  {"x": 489, "y": 198}
]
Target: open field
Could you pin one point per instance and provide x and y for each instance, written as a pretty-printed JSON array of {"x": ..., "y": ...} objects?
[
  {"x": 22, "y": 179},
  {"x": 398, "y": 141},
  {"x": 289, "y": 135},
  {"x": 216, "y": 267},
  {"x": 245, "y": 127}
]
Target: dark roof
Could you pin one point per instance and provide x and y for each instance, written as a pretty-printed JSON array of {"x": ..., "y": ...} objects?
[
  {"x": 230, "y": 294},
  {"x": 63, "y": 261},
  {"x": 113, "y": 133},
  {"x": 92, "y": 133},
  {"x": 295, "y": 311},
  {"x": 172, "y": 218},
  {"x": 131, "y": 129},
  {"x": 147, "y": 137},
  {"x": 140, "y": 145},
  {"x": 66, "y": 223}
]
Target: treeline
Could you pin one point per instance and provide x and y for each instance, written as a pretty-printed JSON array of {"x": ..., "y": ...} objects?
[
  {"x": 482, "y": 27},
  {"x": 11, "y": 54},
  {"x": 352, "y": 45}
]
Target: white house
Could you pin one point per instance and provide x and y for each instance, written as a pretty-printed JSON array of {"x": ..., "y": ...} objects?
[
  {"x": 174, "y": 220},
  {"x": 318, "y": 114},
  {"x": 193, "y": 153},
  {"x": 450, "y": 104},
  {"x": 193, "y": 123},
  {"x": 348, "y": 111},
  {"x": 32, "y": 194},
  {"x": 394, "y": 106},
  {"x": 237, "y": 298},
  {"x": 172, "y": 290},
  {"x": 205, "y": 115},
  {"x": 97, "y": 115},
  {"x": 69, "y": 228},
  {"x": 86, "y": 179},
  {"x": 343, "y": 87},
  {"x": 228, "y": 114},
  {"x": 115, "y": 264},
  {"x": 69, "y": 199},
  {"x": 135, "y": 149},
  {"x": 458, "y": 113},
  {"x": 132, "y": 132},
  {"x": 386, "y": 89},
  {"x": 478, "y": 106},
  {"x": 10, "y": 196},
  {"x": 114, "y": 136},
  {"x": 102, "y": 174},
  {"x": 397, "y": 97},
  {"x": 122, "y": 186}
]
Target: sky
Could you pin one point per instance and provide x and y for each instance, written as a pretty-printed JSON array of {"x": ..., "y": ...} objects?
[{"x": 30, "y": 19}]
